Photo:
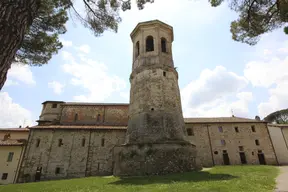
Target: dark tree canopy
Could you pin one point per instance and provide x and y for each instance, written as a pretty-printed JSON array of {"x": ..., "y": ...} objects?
[
  {"x": 278, "y": 117},
  {"x": 256, "y": 17}
]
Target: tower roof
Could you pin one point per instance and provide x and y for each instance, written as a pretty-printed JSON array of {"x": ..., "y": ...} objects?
[{"x": 152, "y": 22}]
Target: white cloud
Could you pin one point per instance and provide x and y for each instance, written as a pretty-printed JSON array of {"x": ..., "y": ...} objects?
[
  {"x": 13, "y": 114},
  {"x": 84, "y": 48},
  {"x": 66, "y": 43},
  {"x": 56, "y": 86},
  {"x": 271, "y": 73},
  {"x": 92, "y": 76},
  {"x": 211, "y": 94},
  {"x": 21, "y": 73},
  {"x": 10, "y": 82}
]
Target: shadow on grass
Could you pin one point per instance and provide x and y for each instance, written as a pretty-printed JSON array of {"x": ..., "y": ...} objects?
[{"x": 166, "y": 179}]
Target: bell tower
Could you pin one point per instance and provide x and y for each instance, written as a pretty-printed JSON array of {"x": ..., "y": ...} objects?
[{"x": 156, "y": 131}]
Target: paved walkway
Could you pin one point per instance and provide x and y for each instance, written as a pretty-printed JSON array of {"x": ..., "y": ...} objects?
[{"x": 282, "y": 180}]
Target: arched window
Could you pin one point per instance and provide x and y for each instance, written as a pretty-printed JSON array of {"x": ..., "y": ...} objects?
[
  {"x": 163, "y": 45},
  {"x": 149, "y": 44},
  {"x": 98, "y": 117},
  {"x": 137, "y": 49},
  {"x": 60, "y": 143},
  {"x": 76, "y": 117}
]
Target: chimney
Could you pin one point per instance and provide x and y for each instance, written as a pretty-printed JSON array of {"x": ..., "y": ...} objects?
[
  {"x": 257, "y": 118},
  {"x": 20, "y": 126}
]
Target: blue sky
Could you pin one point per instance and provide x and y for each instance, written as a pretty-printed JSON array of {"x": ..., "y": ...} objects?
[{"x": 216, "y": 74}]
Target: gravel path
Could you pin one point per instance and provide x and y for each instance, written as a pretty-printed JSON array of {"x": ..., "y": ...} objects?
[{"x": 282, "y": 180}]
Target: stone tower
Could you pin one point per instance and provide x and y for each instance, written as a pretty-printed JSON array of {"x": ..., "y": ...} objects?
[{"x": 156, "y": 135}]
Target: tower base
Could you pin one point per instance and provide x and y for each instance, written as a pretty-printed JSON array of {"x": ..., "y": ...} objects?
[{"x": 154, "y": 159}]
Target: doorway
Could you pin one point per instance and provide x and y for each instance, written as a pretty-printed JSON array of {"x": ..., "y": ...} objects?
[
  {"x": 226, "y": 159},
  {"x": 243, "y": 157},
  {"x": 38, "y": 174},
  {"x": 261, "y": 159}
]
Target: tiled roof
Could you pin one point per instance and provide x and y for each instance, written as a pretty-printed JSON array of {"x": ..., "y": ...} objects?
[
  {"x": 79, "y": 127},
  {"x": 221, "y": 120},
  {"x": 11, "y": 142},
  {"x": 106, "y": 104},
  {"x": 278, "y": 125},
  {"x": 14, "y": 129}
]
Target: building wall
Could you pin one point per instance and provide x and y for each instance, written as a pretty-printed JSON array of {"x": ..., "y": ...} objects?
[
  {"x": 73, "y": 159},
  {"x": 245, "y": 137},
  {"x": 279, "y": 142},
  {"x": 9, "y": 167}
]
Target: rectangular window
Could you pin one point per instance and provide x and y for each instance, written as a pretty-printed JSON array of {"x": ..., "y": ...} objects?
[
  {"x": 4, "y": 176},
  {"x": 102, "y": 142},
  {"x": 37, "y": 142},
  {"x": 241, "y": 148},
  {"x": 57, "y": 170},
  {"x": 60, "y": 143},
  {"x": 83, "y": 142},
  {"x": 220, "y": 129},
  {"x": 223, "y": 142},
  {"x": 236, "y": 129},
  {"x": 253, "y": 128},
  {"x": 54, "y": 105},
  {"x": 257, "y": 142},
  {"x": 190, "y": 132},
  {"x": 10, "y": 156}
]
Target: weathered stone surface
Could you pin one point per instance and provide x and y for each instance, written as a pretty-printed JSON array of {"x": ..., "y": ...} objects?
[{"x": 154, "y": 159}]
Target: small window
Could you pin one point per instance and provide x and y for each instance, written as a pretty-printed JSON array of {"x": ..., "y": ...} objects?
[
  {"x": 215, "y": 152},
  {"x": 164, "y": 73},
  {"x": 257, "y": 142},
  {"x": 54, "y": 105},
  {"x": 152, "y": 109},
  {"x": 76, "y": 117},
  {"x": 224, "y": 151},
  {"x": 252, "y": 153},
  {"x": 149, "y": 44},
  {"x": 253, "y": 128},
  {"x": 190, "y": 132},
  {"x": 102, "y": 142},
  {"x": 223, "y": 142},
  {"x": 4, "y": 176},
  {"x": 236, "y": 129},
  {"x": 137, "y": 49},
  {"x": 163, "y": 45},
  {"x": 241, "y": 148},
  {"x": 83, "y": 142},
  {"x": 98, "y": 117},
  {"x": 37, "y": 142},
  {"x": 259, "y": 151},
  {"x": 57, "y": 170},
  {"x": 220, "y": 129},
  {"x": 7, "y": 136},
  {"x": 10, "y": 156},
  {"x": 60, "y": 142}
]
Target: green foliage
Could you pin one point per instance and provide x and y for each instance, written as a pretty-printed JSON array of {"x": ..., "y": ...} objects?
[
  {"x": 256, "y": 18},
  {"x": 278, "y": 117},
  {"x": 220, "y": 178},
  {"x": 41, "y": 40}
]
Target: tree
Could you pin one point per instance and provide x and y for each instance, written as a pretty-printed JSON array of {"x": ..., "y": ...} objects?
[
  {"x": 256, "y": 17},
  {"x": 30, "y": 29},
  {"x": 278, "y": 117}
]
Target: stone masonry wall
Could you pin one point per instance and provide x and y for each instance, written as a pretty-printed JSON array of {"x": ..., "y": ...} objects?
[
  {"x": 72, "y": 158},
  {"x": 232, "y": 140},
  {"x": 97, "y": 114}
]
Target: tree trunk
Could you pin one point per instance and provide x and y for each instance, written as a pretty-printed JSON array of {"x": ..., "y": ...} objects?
[{"x": 15, "y": 17}]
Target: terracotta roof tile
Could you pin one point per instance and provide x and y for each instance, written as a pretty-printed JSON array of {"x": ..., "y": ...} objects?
[
  {"x": 221, "y": 120},
  {"x": 12, "y": 142},
  {"x": 79, "y": 127},
  {"x": 14, "y": 129}
]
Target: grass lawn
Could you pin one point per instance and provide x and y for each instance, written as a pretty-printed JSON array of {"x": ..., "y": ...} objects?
[{"x": 222, "y": 178}]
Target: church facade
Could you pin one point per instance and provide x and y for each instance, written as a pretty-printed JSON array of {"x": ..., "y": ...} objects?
[{"x": 75, "y": 140}]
